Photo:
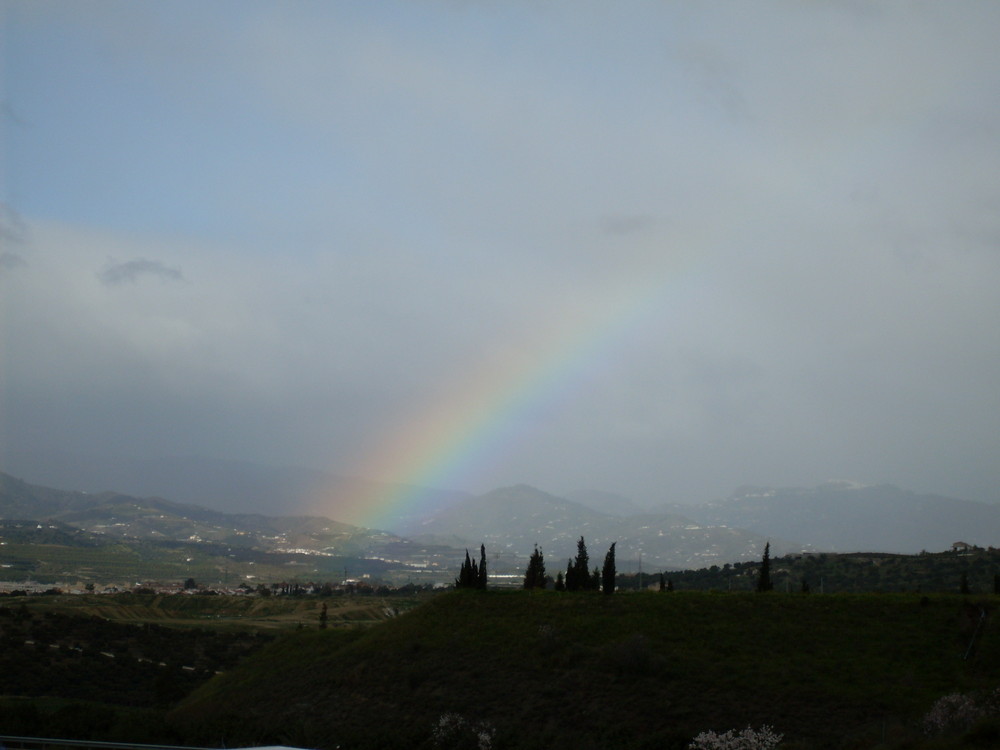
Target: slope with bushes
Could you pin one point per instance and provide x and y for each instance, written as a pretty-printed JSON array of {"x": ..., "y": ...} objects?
[{"x": 559, "y": 670}]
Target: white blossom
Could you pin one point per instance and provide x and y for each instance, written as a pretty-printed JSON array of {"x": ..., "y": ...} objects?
[{"x": 764, "y": 738}]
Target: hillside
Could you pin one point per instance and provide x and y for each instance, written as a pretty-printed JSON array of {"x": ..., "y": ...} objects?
[
  {"x": 845, "y": 517},
  {"x": 511, "y": 520},
  {"x": 188, "y": 540},
  {"x": 229, "y": 486},
  {"x": 550, "y": 670},
  {"x": 51, "y": 536},
  {"x": 106, "y": 667},
  {"x": 116, "y": 514}
]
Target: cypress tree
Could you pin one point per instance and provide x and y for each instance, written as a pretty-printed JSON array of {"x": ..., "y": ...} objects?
[
  {"x": 464, "y": 573},
  {"x": 581, "y": 568},
  {"x": 663, "y": 583},
  {"x": 471, "y": 575},
  {"x": 764, "y": 579},
  {"x": 608, "y": 574},
  {"x": 481, "y": 573},
  {"x": 595, "y": 579},
  {"x": 571, "y": 584},
  {"x": 560, "y": 582},
  {"x": 534, "y": 577}
]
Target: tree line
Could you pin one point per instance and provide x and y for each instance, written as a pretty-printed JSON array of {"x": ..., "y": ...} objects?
[{"x": 579, "y": 576}]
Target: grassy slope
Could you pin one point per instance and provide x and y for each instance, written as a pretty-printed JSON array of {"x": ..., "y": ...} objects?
[
  {"x": 239, "y": 612},
  {"x": 133, "y": 560},
  {"x": 552, "y": 670},
  {"x": 57, "y": 681}
]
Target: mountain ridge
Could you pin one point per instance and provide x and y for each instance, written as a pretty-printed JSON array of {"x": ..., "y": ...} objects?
[
  {"x": 510, "y": 521},
  {"x": 849, "y": 517}
]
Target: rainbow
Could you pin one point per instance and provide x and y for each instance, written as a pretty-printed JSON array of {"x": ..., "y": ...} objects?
[{"x": 472, "y": 420}]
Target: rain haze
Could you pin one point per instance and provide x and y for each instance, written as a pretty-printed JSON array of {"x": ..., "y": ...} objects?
[{"x": 657, "y": 249}]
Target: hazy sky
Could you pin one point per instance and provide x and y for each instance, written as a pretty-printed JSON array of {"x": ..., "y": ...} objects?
[{"x": 657, "y": 248}]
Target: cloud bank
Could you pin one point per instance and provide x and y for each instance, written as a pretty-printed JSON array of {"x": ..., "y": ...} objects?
[
  {"x": 732, "y": 245},
  {"x": 115, "y": 273}
]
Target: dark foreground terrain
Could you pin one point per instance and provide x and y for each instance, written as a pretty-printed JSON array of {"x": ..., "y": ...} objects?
[
  {"x": 558, "y": 670},
  {"x": 503, "y": 669}
]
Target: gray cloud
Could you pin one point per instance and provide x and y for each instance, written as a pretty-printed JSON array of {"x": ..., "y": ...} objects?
[
  {"x": 10, "y": 261},
  {"x": 627, "y": 224},
  {"x": 11, "y": 225},
  {"x": 743, "y": 247},
  {"x": 132, "y": 270},
  {"x": 8, "y": 113},
  {"x": 12, "y": 232}
]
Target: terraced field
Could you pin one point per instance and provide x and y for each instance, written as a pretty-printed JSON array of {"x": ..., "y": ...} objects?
[{"x": 241, "y": 612}]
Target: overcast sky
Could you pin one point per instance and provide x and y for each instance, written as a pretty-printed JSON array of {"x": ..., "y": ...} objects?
[{"x": 657, "y": 248}]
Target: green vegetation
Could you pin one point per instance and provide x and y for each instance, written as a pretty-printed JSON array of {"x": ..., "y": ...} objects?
[
  {"x": 764, "y": 583},
  {"x": 578, "y": 575},
  {"x": 143, "y": 560},
  {"x": 106, "y": 667},
  {"x": 534, "y": 576},
  {"x": 54, "y": 537},
  {"x": 584, "y": 671},
  {"x": 608, "y": 571},
  {"x": 255, "y": 613},
  {"x": 89, "y": 678},
  {"x": 856, "y": 572},
  {"x": 548, "y": 669},
  {"x": 473, "y": 575},
  {"x": 53, "y": 654}
]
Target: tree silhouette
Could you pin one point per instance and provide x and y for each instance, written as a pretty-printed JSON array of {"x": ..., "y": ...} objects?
[
  {"x": 608, "y": 574},
  {"x": 481, "y": 576},
  {"x": 472, "y": 575},
  {"x": 578, "y": 575},
  {"x": 534, "y": 576},
  {"x": 468, "y": 574},
  {"x": 764, "y": 579}
]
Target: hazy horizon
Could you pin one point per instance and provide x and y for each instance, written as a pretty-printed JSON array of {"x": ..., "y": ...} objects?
[{"x": 660, "y": 250}]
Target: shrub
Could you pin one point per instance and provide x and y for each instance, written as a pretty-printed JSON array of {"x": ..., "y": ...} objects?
[
  {"x": 951, "y": 712},
  {"x": 455, "y": 732},
  {"x": 764, "y": 738},
  {"x": 957, "y": 712}
]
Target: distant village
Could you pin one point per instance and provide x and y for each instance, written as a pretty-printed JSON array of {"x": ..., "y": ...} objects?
[{"x": 363, "y": 586}]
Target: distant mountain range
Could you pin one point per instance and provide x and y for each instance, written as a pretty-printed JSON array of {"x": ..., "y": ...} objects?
[
  {"x": 848, "y": 517},
  {"x": 512, "y": 520},
  {"x": 111, "y": 514},
  {"x": 838, "y": 517},
  {"x": 509, "y": 521},
  {"x": 228, "y": 486},
  {"x": 833, "y": 517}
]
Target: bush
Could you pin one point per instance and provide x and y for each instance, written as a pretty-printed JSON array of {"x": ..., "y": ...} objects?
[
  {"x": 455, "y": 732},
  {"x": 957, "y": 712},
  {"x": 764, "y": 738}
]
